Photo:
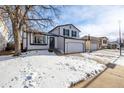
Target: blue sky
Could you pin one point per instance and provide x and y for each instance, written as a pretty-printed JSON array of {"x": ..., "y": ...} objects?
[{"x": 94, "y": 20}]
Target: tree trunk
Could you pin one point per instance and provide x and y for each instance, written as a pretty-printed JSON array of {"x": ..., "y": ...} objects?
[{"x": 17, "y": 39}]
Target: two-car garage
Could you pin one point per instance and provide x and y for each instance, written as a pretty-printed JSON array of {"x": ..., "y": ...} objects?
[{"x": 74, "y": 45}]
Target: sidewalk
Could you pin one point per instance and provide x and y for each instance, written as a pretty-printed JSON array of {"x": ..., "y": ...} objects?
[{"x": 110, "y": 78}]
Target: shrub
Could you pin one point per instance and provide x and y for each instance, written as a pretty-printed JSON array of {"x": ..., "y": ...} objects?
[
  {"x": 50, "y": 50},
  {"x": 10, "y": 46}
]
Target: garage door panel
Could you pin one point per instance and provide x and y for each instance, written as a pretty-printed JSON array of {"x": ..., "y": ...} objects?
[
  {"x": 72, "y": 47},
  {"x": 93, "y": 46}
]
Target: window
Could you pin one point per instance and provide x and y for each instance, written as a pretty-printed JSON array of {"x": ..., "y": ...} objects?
[
  {"x": 40, "y": 39},
  {"x": 65, "y": 32},
  {"x": 74, "y": 34},
  {"x": 104, "y": 41}
]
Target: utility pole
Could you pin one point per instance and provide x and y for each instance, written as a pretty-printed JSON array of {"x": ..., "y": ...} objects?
[
  {"x": 119, "y": 22},
  {"x": 89, "y": 43}
]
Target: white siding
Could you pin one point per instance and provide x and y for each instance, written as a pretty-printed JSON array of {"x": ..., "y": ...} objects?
[
  {"x": 56, "y": 31},
  {"x": 103, "y": 44},
  {"x": 70, "y": 30},
  {"x": 3, "y": 35},
  {"x": 3, "y": 42},
  {"x": 60, "y": 44},
  {"x": 24, "y": 43},
  {"x": 94, "y": 46},
  {"x": 56, "y": 38},
  {"x": 24, "y": 40},
  {"x": 31, "y": 47},
  {"x": 59, "y": 30}
]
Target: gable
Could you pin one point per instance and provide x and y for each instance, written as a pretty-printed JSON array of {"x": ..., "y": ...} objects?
[{"x": 71, "y": 26}]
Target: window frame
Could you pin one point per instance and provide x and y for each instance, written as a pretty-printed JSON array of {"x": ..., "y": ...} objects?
[
  {"x": 34, "y": 37},
  {"x": 74, "y": 33},
  {"x": 104, "y": 41},
  {"x": 65, "y": 32}
]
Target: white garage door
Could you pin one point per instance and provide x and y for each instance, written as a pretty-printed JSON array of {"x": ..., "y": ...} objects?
[
  {"x": 93, "y": 46},
  {"x": 73, "y": 47}
]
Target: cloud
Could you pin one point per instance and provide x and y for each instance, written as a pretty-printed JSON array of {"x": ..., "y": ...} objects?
[
  {"x": 106, "y": 23},
  {"x": 94, "y": 20}
]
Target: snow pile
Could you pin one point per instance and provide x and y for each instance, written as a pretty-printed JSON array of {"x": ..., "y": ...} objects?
[{"x": 44, "y": 69}]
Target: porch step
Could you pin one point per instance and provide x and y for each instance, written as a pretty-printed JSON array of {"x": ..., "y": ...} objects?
[{"x": 57, "y": 52}]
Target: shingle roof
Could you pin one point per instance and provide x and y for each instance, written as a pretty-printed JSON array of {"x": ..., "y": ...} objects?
[{"x": 91, "y": 38}]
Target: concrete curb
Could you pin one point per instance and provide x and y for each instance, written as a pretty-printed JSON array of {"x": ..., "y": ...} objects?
[{"x": 84, "y": 84}]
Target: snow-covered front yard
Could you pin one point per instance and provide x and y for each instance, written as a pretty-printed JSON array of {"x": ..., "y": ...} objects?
[{"x": 44, "y": 69}]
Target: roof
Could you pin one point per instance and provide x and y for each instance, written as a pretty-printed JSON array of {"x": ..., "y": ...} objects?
[
  {"x": 104, "y": 37},
  {"x": 39, "y": 32},
  {"x": 64, "y": 25},
  {"x": 113, "y": 42},
  {"x": 35, "y": 31},
  {"x": 91, "y": 38}
]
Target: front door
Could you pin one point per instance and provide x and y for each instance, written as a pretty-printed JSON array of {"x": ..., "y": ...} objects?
[{"x": 52, "y": 43}]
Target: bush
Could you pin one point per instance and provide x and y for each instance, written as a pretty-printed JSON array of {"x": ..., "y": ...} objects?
[
  {"x": 10, "y": 46},
  {"x": 50, "y": 50}
]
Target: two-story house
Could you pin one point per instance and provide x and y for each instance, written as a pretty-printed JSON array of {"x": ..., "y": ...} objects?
[
  {"x": 95, "y": 43},
  {"x": 68, "y": 40},
  {"x": 91, "y": 43},
  {"x": 64, "y": 38}
]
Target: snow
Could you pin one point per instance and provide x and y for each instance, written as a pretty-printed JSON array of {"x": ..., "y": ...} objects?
[
  {"x": 104, "y": 56},
  {"x": 42, "y": 69},
  {"x": 120, "y": 61}
]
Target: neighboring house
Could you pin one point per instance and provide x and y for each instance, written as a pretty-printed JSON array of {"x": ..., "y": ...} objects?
[
  {"x": 103, "y": 42},
  {"x": 64, "y": 38},
  {"x": 3, "y": 35},
  {"x": 95, "y": 43},
  {"x": 91, "y": 43},
  {"x": 113, "y": 45}
]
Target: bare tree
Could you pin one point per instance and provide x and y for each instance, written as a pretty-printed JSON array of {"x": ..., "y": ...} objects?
[{"x": 27, "y": 16}]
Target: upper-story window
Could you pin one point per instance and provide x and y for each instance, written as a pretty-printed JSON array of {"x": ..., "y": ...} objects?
[
  {"x": 66, "y": 32},
  {"x": 74, "y": 34}
]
